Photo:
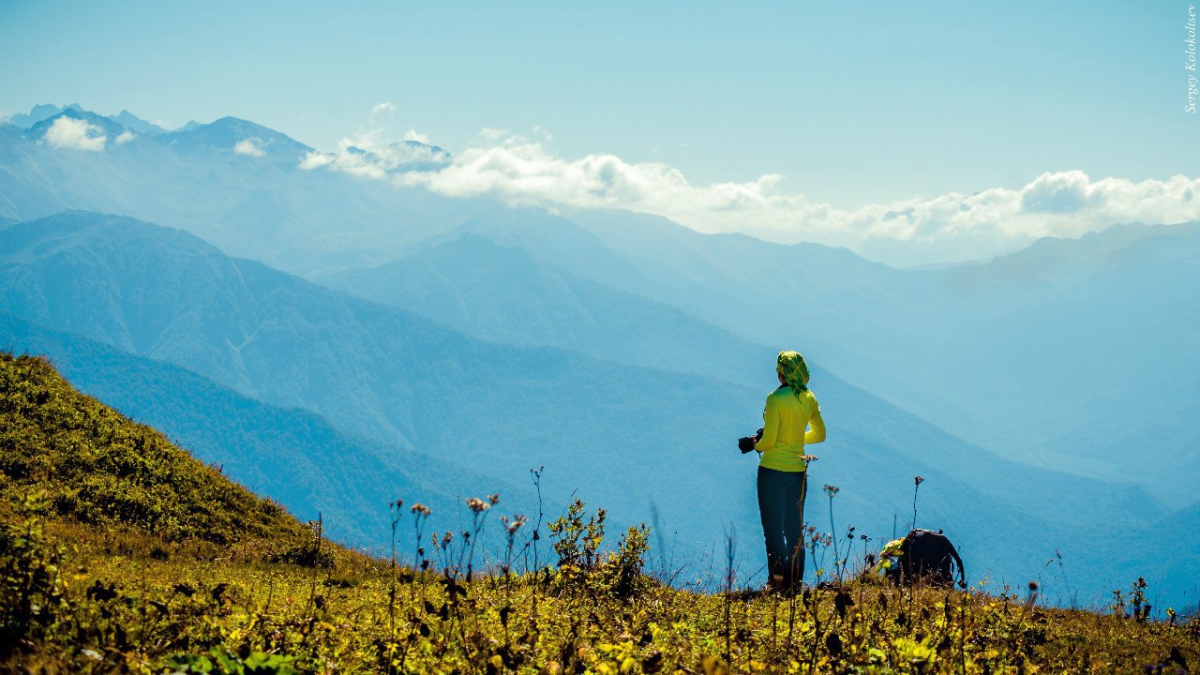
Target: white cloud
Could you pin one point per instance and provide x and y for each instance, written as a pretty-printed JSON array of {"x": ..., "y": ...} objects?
[
  {"x": 125, "y": 137},
  {"x": 412, "y": 135},
  {"x": 316, "y": 160},
  {"x": 369, "y": 154},
  {"x": 953, "y": 226},
  {"x": 251, "y": 147},
  {"x": 74, "y": 134},
  {"x": 384, "y": 108}
]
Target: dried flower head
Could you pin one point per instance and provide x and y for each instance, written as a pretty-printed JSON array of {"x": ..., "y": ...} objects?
[
  {"x": 517, "y": 523},
  {"x": 918, "y": 480},
  {"x": 477, "y": 505},
  {"x": 494, "y": 499},
  {"x": 830, "y": 490},
  {"x": 421, "y": 510}
]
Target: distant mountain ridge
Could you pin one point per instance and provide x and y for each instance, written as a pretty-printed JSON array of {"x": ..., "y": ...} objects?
[
  {"x": 40, "y": 112},
  {"x": 163, "y": 293},
  {"x": 1066, "y": 355},
  {"x": 235, "y": 183},
  {"x": 293, "y": 456}
]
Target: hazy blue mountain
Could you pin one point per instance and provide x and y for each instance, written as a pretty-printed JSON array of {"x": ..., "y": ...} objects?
[
  {"x": 137, "y": 124},
  {"x": 39, "y": 113},
  {"x": 1010, "y": 354},
  {"x": 638, "y": 435},
  {"x": 1064, "y": 355},
  {"x": 504, "y": 294},
  {"x": 223, "y": 136},
  {"x": 294, "y": 456},
  {"x": 106, "y": 125},
  {"x": 623, "y": 436},
  {"x": 234, "y": 183},
  {"x": 125, "y": 119},
  {"x": 373, "y": 370}
]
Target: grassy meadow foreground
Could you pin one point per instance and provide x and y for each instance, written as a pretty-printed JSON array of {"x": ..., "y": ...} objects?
[{"x": 121, "y": 553}]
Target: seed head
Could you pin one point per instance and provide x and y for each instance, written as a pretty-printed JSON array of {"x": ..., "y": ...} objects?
[
  {"x": 420, "y": 509},
  {"x": 830, "y": 490},
  {"x": 477, "y": 505}
]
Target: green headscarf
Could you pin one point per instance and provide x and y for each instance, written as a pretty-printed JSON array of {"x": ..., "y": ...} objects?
[{"x": 794, "y": 370}]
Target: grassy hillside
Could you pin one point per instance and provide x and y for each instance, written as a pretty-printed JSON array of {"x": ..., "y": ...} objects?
[
  {"x": 298, "y": 458},
  {"x": 119, "y": 582},
  {"x": 99, "y": 468}
]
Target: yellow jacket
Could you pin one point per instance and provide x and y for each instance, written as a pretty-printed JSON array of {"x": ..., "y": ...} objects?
[{"x": 785, "y": 429}]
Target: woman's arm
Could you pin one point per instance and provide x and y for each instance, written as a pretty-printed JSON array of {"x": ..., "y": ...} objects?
[
  {"x": 817, "y": 433},
  {"x": 770, "y": 426}
]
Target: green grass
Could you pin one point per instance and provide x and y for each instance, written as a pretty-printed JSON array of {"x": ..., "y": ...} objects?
[
  {"x": 159, "y": 564},
  {"x": 100, "y": 468}
]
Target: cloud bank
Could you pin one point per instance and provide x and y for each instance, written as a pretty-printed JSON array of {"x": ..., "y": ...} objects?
[
  {"x": 73, "y": 134},
  {"x": 369, "y": 154},
  {"x": 947, "y": 227},
  {"x": 251, "y": 147}
]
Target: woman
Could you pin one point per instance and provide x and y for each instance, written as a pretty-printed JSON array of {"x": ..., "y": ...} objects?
[{"x": 781, "y": 469}]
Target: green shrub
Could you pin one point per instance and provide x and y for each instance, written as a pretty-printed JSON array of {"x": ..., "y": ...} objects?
[
  {"x": 31, "y": 589},
  {"x": 581, "y": 564}
]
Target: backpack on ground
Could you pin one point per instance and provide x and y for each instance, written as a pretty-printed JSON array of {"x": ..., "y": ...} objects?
[{"x": 926, "y": 557}]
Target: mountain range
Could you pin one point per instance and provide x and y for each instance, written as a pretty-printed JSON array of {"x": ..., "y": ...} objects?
[{"x": 1027, "y": 386}]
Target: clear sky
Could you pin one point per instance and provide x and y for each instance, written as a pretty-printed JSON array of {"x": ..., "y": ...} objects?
[{"x": 851, "y": 103}]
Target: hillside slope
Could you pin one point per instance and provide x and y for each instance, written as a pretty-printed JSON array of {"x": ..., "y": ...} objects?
[
  {"x": 100, "y": 468},
  {"x": 125, "y": 595},
  {"x": 294, "y": 456},
  {"x": 628, "y": 437}
]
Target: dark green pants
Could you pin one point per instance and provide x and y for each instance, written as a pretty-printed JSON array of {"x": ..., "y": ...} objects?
[{"x": 781, "y": 505}]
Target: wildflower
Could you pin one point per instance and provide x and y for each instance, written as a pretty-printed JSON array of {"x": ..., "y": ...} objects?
[
  {"x": 477, "y": 505},
  {"x": 421, "y": 510},
  {"x": 516, "y": 524},
  {"x": 830, "y": 490},
  {"x": 917, "y": 480},
  {"x": 494, "y": 499}
]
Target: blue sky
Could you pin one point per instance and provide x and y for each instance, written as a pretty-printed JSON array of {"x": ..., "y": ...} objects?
[{"x": 849, "y": 104}]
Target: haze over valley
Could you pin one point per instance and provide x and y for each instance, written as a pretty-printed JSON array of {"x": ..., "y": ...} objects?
[{"x": 334, "y": 341}]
